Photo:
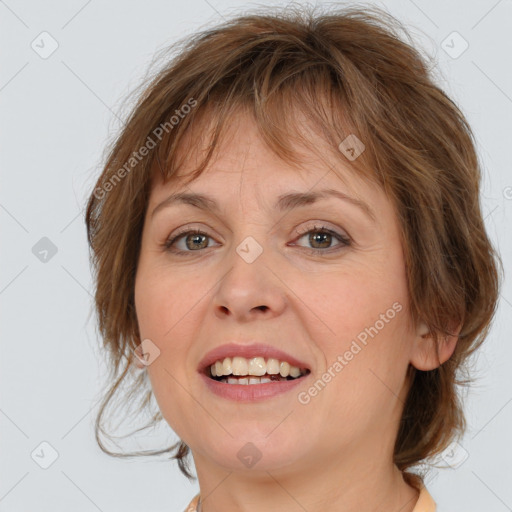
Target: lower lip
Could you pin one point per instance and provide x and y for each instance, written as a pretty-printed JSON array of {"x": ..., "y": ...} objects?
[{"x": 250, "y": 392}]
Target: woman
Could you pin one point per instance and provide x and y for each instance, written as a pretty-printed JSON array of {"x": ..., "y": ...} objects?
[{"x": 288, "y": 244}]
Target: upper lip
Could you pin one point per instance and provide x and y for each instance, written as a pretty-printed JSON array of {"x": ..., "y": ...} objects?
[{"x": 248, "y": 351}]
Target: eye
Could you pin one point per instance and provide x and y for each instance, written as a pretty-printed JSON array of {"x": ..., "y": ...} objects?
[
  {"x": 321, "y": 238},
  {"x": 193, "y": 240}
]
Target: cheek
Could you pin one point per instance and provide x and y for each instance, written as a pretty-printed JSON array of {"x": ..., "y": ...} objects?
[
  {"x": 358, "y": 320},
  {"x": 166, "y": 300},
  {"x": 167, "y": 309},
  {"x": 343, "y": 304},
  {"x": 362, "y": 337},
  {"x": 171, "y": 307}
]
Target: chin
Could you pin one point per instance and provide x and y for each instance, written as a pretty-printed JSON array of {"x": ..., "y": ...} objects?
[{"x": 256, "y": 452}]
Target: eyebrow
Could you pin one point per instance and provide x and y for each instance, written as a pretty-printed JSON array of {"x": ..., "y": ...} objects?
[{"x": 285, "y": 202}]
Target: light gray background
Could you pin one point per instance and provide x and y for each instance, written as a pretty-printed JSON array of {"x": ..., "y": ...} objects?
[{"x": 56, "y": 116}]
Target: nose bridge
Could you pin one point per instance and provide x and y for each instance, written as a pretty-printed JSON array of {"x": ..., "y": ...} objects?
[{"x": 250, "y": 287}]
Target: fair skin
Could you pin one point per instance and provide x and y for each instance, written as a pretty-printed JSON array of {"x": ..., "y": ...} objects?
[{"x": 336, "y": 451}]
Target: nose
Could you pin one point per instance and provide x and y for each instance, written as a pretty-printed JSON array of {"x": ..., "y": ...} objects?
[{"x": 249, "y": 290}]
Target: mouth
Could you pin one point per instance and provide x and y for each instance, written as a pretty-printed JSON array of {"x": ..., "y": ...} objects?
[
  {"x": 251, "y": 364},
  {"x": 251, "y": 371}
]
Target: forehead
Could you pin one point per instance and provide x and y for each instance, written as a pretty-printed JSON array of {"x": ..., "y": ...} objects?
[
  {"x": 247, "y": 177},
  {"x": 243, "y": 160}
]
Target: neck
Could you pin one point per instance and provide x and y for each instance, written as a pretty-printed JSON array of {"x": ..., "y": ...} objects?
[{"x": 358, "y": 487}]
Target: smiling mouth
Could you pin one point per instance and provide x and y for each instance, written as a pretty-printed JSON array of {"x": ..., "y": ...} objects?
[{"x": 257, "y": 370}]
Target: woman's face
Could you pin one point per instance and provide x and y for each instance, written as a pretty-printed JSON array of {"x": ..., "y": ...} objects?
[{"x": 323, "y": 281}]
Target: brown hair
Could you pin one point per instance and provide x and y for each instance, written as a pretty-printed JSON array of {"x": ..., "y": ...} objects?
[{"x": 347, "y": 71}]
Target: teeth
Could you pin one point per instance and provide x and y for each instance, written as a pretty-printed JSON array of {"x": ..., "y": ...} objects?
[
  {"x": 226, "y": 367},
  {"x": 248, "y": 381},
  {"x": 284, "y": 369},
  {"x": 294, "y": 371},
  {"x": 272, "y": 366},
  {"x": 256, "y": 367},
  {"x": 239, "y": 366}
]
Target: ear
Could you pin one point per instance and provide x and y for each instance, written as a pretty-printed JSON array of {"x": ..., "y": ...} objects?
[
  {"x": 426, "y": 353},
  {"x": 136, "y": 358},
  {"x": 138, "y": 363}
]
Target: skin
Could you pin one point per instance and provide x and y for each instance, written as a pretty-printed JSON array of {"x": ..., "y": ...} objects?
[{"x": 335, "y": 452}]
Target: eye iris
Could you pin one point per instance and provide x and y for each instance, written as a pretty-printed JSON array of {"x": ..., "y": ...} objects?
[
  {"x": 314, "y": 237},
  {"x": 196, "y": 237}
]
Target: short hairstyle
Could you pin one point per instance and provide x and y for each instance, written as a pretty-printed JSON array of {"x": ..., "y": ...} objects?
[{"x": 345, "y": 72}]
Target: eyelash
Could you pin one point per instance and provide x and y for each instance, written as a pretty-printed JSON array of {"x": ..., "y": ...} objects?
[{"x": 343, "y": 239}]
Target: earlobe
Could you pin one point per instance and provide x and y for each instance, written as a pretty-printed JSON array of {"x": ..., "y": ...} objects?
[
  {"x": 138, "y": 363},
  {"x": 427, "y": 354}
]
